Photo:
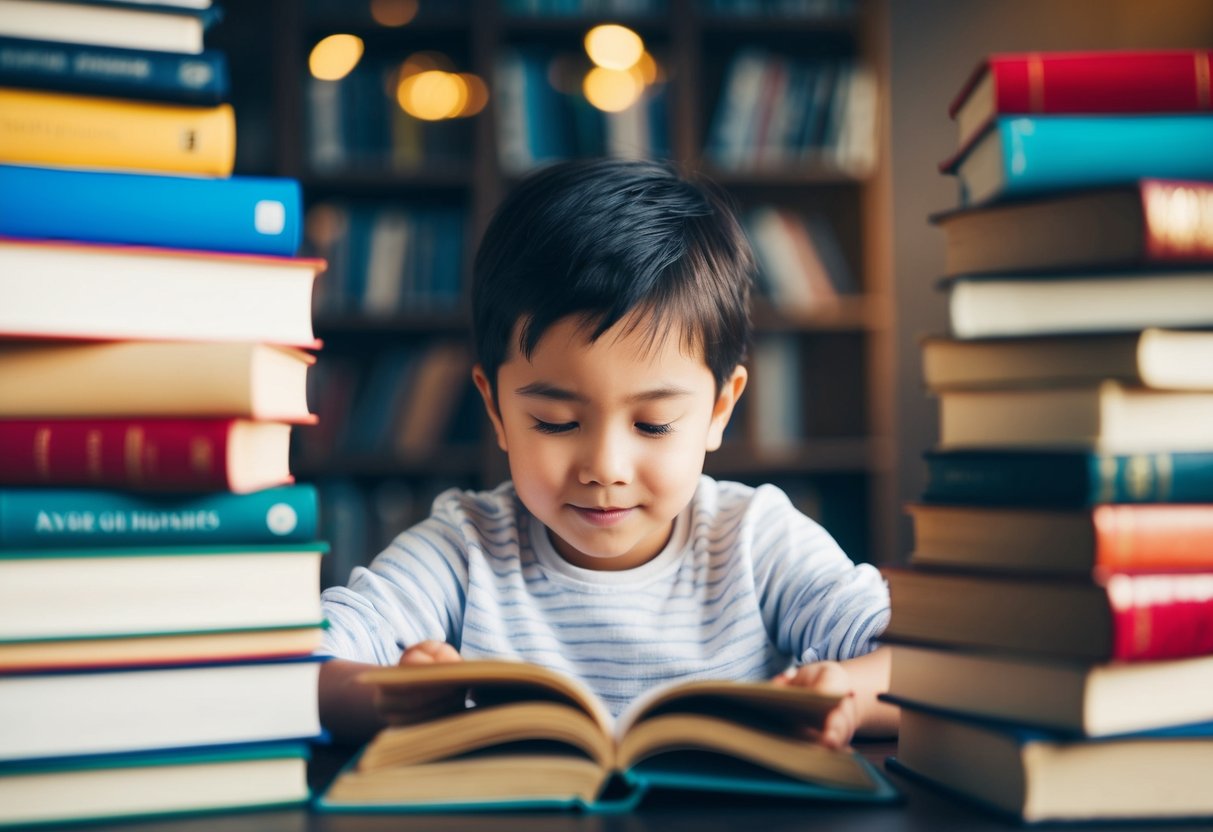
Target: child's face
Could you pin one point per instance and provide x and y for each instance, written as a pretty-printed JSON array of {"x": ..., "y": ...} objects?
[{"x": 606, "y": 440}]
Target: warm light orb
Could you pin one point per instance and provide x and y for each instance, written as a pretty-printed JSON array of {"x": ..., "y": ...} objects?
[
  {"x": 393, "y": 12},
  {"x": 432, "y": 95},
  {"x": 612, "y": 46},
  {"x": 477, "y": 94},
  {"x": 611, "y": 90},
  {"x": 335, "y": 57},
  {"x": 648, "y": 69}
]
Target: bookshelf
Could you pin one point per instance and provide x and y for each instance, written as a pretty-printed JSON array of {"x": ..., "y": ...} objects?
[{"x": 831, "y": 378}]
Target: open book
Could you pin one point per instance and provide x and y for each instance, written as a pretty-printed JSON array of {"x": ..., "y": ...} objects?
[{"x": 535, "y": 738}]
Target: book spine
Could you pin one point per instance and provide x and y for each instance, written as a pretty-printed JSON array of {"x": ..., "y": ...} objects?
[
  {"x": 1178, "y": 220},
  {"x": 1048, "y": 153},
  {"x": 122, "y": 73},
  {"x": 121, "y": 453},
  {"x": 1153, "y": 537},
  {"x": 39, "y": 128},
  {"x": 247, "y": 215},
  {"x": 1126, "y": 82},
  {"x": 38, "y": 518},
  {"x": 1161, "y": 616}
]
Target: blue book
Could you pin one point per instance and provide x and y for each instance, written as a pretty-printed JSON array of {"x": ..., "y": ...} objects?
[
  {"x": 1036, "y": 776},
  {"x": 120, "y": 73},
  {"x": 240, "y": 214},
  {"x": 1067, "y": 478},
  {"x": 66, "y": 518},
  {"x": 1020, "y": 156}
]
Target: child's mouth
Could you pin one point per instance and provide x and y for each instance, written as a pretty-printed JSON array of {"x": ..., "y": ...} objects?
[{"x": 602, "y": 516}]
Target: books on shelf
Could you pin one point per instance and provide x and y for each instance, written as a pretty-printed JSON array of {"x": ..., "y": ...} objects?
[
  {"x": 161, "y": 27},
  {"x": 1155, "y": 358},
  {"x": 52, "y": 128},
  {"x": 1026, "y": 155},
  {"x": 168, "y": 783},
  {"x": 133, "y": 379},
  {"x": 1108, "y": 81},
  {"x": 1038, "y": 776},
  {"x": 1064, "y": 541},
  {"x": 146, "y": 454},
  {"x": 76, "y": 290},
  {"x": 688, "y": 735},
  {"x": 1108, "y": 417},
  {"x": 1067, "y": 478},
  {"x": 158, "y": 590},
  {"x": 1092, "y": 699},
  {"x": 68, "y": 518},
  {"x": 238, "y": 214},
  {"x": 200, "y": 79},
  {"x": 1150, "y": 222},
  {"x": 66, "y": 714},
  {"x": 1100, "y": 617},
  {"x": 997, "y": 306}
]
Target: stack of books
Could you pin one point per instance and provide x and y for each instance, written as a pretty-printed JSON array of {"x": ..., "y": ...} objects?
[
  {"x": 1053, "y": 632},
  {"x": 158, "y": 567}
]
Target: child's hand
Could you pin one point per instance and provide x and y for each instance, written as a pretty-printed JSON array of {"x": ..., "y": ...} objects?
[
  {"x": 429, "y": 702},
  {"x": 829, "y": 678}
]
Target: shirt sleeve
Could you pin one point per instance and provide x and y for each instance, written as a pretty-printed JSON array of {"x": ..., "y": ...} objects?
[
  {"x": 412, "y": 591},
  {"x": 817, "y": 604}
]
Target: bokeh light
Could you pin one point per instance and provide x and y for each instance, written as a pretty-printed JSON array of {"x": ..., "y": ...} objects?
[
  {"x": 335, "y": 57},
  {"x": 432, "y": 95},
  {"x": 612, "y": 46},
  {"x": 612, "y": 90},
  {"x": 393, "y": 12}
]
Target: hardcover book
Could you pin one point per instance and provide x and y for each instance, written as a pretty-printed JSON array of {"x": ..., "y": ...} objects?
[
  {"x": 68, "y": 518},
  {"x": 1151, "y": 222},
  {"x": 1156, "y": 358},
  {"x": 1060, "y": 304},
  {"x": 1070, "y": 697},
  {"x": 1102, "y": 617},
  {"x": 51, "y": 128},
  {"x": 157, "y": 590},
  {"x": 134, "y": 379},
  {"x": 146, "y": 454},
  {"x": 1067, "y": 478},
  {"x": 68, "y": 713},
  {"x": 73, "y": 290},
  {"x": 536, "y": 739},
  {"x": 1026, "y": 155},
  {"x": 1112, "y": 81},
  {"x": 1109, "y": 418},
  {"x": 200, "y": 79},
  {"x": 237, "y": 214},
  {"x": 1037, "y": 776},
  {"x": 1074, "y": 541},
  {"x": 159, "y": 28},
  {"x": 154, "y": 784}
]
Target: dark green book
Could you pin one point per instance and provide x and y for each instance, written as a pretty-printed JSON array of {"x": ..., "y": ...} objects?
[{"x": 1067, "y": 478}]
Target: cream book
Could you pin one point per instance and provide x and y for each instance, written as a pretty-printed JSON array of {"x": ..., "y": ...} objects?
[{"x": 534, "y": 738}]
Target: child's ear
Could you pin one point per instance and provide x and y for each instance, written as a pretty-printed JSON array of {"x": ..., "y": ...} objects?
[
  {"x": 730, "y": 392},
  {"x": 486, "y": 394}
]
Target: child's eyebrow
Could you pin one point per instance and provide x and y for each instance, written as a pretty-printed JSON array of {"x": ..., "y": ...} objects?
[{"x": 544, "y": 390}]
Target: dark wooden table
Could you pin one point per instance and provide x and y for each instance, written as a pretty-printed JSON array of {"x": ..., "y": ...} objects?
[{"x": 922, "y": 810}]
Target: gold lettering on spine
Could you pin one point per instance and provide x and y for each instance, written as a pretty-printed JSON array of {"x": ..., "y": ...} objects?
[
  {"x": 1107, "y": 479},
  {"x": 1036, "y": 84},
  {"x": 132, "y": 454},
  {"x": 1202, "y": 80},
  {"x": 1179, "y": 220},
  {"x": 92, "y": 454},
  {"x": 1164, "y": 476},
  {"x": 42, "y": 453},
  {"x": 202, "y": 456},
  {"x": 1139, "y": 478}
]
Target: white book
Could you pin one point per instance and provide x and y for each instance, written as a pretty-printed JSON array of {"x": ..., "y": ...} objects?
[{"x": 98, "y": 25}]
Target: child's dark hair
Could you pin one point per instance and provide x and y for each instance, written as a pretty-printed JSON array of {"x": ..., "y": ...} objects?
[{"x": 607, "y": 240}]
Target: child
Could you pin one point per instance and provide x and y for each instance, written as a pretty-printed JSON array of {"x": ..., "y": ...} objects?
[{"x": 611, "y": 318}]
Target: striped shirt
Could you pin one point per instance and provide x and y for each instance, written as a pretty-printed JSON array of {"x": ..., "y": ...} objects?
[{"x": 746, "y": 586}]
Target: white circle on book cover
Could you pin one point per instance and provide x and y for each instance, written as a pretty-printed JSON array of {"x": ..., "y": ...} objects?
[
  {"x": 281, "y": 519},
  {"x": 269, "y": 217}
]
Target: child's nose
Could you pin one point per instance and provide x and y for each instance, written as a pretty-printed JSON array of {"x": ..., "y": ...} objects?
[{"x": 606, "y": 459}]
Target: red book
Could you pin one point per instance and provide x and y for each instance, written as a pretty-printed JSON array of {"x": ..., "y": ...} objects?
[
  {"x": 1157, "y": 81},
  {"x": 146, "y": 454},
  {"x": 1103, "y": 617}
]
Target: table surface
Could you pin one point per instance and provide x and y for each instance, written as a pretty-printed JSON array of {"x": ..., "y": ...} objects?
[{"x": 922, "y": 810}]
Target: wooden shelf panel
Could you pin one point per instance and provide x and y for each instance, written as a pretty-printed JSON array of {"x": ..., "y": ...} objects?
[{"x": 449, "y": 461}]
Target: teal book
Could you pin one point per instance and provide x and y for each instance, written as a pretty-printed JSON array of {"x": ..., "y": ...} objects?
[
  {"x": 1036, "y": 776},
  {"x": 536, "y": 739},
  {"x": 159, "y": 784},
  {"x": 237, "y": 214},
  {"x": 1067, "y": 478},
  {"x": 1022, "y": 156},
  {"x": 68, "y": 518}
]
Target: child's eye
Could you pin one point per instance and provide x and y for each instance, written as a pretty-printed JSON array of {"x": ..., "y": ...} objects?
[
  {"x": 553, "y": 427},
  {"x": 655, "y": 430}
]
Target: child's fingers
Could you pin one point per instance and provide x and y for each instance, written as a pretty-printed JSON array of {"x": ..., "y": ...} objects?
[{"x": 430, "y": 652}]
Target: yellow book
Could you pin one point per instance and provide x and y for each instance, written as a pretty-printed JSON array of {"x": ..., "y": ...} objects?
[{"x": 82, "y": 131}]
